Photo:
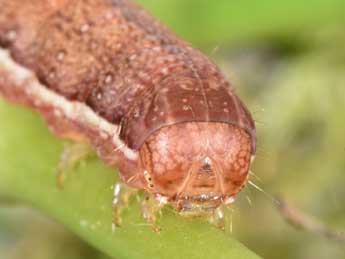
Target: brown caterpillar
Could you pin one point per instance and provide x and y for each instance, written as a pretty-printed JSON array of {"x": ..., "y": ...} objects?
[{"x": 152, "y": 106}]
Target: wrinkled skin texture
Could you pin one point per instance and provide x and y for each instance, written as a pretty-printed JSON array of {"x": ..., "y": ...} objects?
[{"x": 174, "y": 109}]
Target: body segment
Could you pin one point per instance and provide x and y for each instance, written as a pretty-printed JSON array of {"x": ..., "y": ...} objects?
[{"x": 121, "y": 80}]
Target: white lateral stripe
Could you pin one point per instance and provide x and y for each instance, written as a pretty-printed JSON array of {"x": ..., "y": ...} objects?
[{"x": 71, "y": 109}]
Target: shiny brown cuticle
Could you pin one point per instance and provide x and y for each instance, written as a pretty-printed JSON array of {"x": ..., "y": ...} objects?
[{"x": 196, "y": 165}]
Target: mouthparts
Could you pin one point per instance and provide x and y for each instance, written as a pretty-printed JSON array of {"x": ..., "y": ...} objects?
[{"x": 198, "y": 205}]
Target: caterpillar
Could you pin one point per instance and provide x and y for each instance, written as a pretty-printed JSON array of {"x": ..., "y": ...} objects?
[{"x": 151, "y": 105}]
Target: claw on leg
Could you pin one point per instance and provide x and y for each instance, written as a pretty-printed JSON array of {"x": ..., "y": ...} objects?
[
  {"x": 122, "y": 194},
  {"x": 217, "y": 218},
  {"x": 222, "y": 217},
  {"x": 71, "y": 155},
  {"x": 151, "y": 210}
]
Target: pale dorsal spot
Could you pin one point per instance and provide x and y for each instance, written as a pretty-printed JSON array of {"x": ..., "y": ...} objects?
[
  {"x": 51, "y": 75},
  {"x": 184, "y": 100},
  {"x": 108, "y": 79},
  {"x": 165, "y": 90},
  {"x": 60, "y": 55},
  {"x": 11, "y": 35},
  {"x": 185, "y": 107},
  {"x": 85, "y": 28},
  {"x": 226, "y": 110},
  {"x": 109, "y": 16},
  {"x": 99, "y": 96},
  {"x": 133, "y": 57},
  {"x": 165, "y": 71},
  {"x": 157, "y": 49}
]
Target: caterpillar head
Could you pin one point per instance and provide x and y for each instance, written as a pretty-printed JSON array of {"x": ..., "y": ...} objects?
[{"x": 197, "y": 166}]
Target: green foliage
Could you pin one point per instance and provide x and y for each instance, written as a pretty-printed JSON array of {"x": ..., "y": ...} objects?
[{"x": 216, "y": 22}]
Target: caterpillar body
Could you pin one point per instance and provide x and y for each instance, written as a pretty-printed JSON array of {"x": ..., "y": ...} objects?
[{"x": 151, "y": 105}]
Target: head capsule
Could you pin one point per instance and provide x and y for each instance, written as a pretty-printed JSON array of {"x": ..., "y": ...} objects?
[{"x": 197, "y": 166}]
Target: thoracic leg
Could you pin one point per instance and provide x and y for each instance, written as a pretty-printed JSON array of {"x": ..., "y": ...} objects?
[
  {"x": 71, "y": 155},
  {"x": 151, "y": 209},
  {"x": 122, "y": 194},
  {"x": 222, "y": 217}
]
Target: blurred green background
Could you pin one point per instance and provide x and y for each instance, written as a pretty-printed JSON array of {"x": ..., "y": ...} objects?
[{"x": 287, "y": 61}]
